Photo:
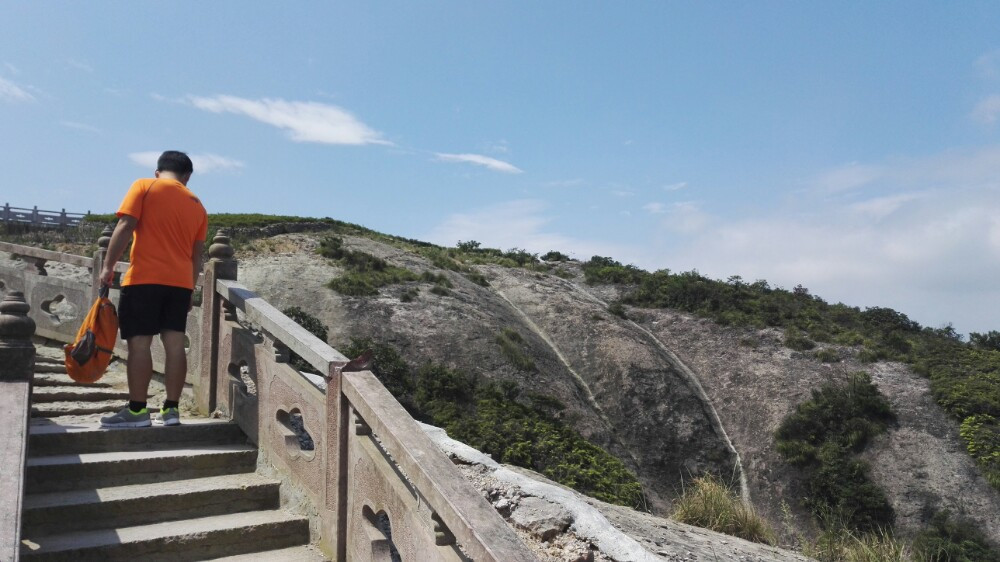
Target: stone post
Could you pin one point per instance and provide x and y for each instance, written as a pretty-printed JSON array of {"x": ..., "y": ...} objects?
[
  {"x": 221, "y": 265},
  {"x": 334, "y": 512},
  {"x": 17, "y": 365},
  {"x": 99, "y": 256}
]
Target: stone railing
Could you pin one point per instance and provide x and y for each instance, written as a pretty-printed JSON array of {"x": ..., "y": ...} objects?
[
  {"x": 376, "y": 483},
  {"x": 39, "y": 217},
  {"x": 17, "y": 363}
]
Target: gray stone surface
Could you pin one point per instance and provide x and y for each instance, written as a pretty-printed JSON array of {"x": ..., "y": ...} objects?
[
  {"x": 607, "y": 532},
  {"x": 542, "y": 518}
]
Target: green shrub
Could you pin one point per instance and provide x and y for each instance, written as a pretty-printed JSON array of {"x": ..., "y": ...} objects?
[
  {"x": 512, "y": 345},
  {"x": 477, "y": 278},
  {"x": 492, "y": 418},
  {"x": 618, "y": 309},
  {"x": 553, "y": 255},
  {"x": 440, "y": 291},
  {"x": 828, "y": 355},
  {"x": 409, "y": 295},
  {"x": 795, "y": 340},
  {"x": 365, "y": 274},
  {"x": 838, "y": 544},
  {"x": 709, "y": 504},
  {"x": 821, "y": 437},
  {"x": 946, "y": 540},
  {"x": 982, "y": 437},
  {"x": 388, "y": 366}
]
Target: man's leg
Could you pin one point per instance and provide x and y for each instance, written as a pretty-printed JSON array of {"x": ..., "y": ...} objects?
[
  {"x": 176, "y": 363},
  {"x": 139, "y": 367}
]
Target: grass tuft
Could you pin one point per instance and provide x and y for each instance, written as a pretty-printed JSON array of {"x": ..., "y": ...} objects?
[{"x": 709, "y": 504}]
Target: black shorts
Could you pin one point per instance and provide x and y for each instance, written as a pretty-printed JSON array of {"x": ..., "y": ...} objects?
[{"x": 147, "y": 310}]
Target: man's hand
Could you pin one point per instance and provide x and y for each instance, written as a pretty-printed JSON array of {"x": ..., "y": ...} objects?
[{"x": 107, "y": 274}]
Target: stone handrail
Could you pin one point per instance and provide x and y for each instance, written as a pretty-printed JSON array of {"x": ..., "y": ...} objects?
[
  {"x": 38, "y": 216},
  {"x": 17, "y": 362},
  {"x": 258, "y": 311},
  {"x": 47, "y": 255}
]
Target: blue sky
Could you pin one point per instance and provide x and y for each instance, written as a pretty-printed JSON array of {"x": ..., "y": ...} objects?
[{"x": 850, "y": 147}]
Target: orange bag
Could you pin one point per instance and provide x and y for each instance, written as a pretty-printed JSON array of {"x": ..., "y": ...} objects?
[{"x": 88, "y": 357}]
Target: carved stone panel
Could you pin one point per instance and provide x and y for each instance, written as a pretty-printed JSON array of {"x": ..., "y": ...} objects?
[{"x": 380, "y": 498}]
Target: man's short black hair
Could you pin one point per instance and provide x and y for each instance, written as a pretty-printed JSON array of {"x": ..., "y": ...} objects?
[{"x": 176, "y": 162}]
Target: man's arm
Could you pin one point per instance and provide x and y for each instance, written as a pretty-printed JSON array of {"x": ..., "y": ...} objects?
[
  {"x": 119, "y": 240},
  {"x": 197, "y": 256}
]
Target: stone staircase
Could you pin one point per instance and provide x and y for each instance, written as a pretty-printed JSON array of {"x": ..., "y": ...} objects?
[{"x": 188, "y": 492}]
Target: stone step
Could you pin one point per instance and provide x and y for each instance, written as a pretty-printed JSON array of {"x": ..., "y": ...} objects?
[
  {"x": 54, "y": 409},
  {"x": 306, "y": 553},
  {"x": 189, "y": 539},
  {"x": 64, "y": 380},
  {"x": 48, "y": 360},
  {"x": 142, "y": 504},
  {"x": 49, "y": 394},
  {"x": 98, "y": 470},
  {"x": 45, "y": 367},
  {"x": 54, "y": 438}
]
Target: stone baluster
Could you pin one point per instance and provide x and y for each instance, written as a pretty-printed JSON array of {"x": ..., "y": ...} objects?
[
  {"x": 17, "y": 363},
  {"x": 6, "y": 212},
  {"x": 221, "y": 265},
  {"x": 99, "y": 256}
]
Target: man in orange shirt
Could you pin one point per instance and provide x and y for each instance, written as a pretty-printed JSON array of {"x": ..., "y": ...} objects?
[{"x": 167, "y": 225}]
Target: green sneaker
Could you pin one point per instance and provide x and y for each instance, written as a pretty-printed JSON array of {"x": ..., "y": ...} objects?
[
  {"x": 170, "y": 416},
  {"x": 127, "y": 418}
]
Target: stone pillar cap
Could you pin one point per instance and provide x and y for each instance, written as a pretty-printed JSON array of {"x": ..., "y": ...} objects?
[{"x": 15, "y": 325}]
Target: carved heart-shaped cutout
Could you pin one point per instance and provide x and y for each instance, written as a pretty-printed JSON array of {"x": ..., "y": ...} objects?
[{"x": 59, "y": 309}]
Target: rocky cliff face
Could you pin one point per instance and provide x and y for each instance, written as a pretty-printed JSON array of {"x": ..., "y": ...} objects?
[
  {"x": 620, "y": 389},
  {"x": 670, "y": 395}
]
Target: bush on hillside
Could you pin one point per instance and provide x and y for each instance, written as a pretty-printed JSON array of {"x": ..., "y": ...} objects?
[
  {"x": 498, "y": 420},
  {"x": 513, "y": 347},
  {"x": 948, "y": 540},
  {"x": 709, "y": 504},
  {"x": 823, "y": 435}
]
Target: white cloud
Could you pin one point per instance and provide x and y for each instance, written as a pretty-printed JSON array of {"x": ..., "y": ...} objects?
[
  {"x": 954, "y": 168},
  {"x": 655, "y": 208},
  {"x": 846, "y": 178},
  {"x": 205, "y": 163},
  {"x": 304, "y": 121},
  {"x": 686, "y": 217},
  {"x": 928, "y": 244},
  {"x": 881, "y": 207},
  {"x": 80, "y": 126},
  {"x": 12, "y": 69},
  {"x": 11, "y": 92},
  {"x": 519, "y": 224},
  {"x": 987, "y": 111},
  {"x": 480, "y": 160},
  {"x": 675, "y": 186}
]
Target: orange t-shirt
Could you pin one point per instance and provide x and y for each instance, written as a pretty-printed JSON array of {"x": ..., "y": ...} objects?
[{"x": 170, "y": 220}]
